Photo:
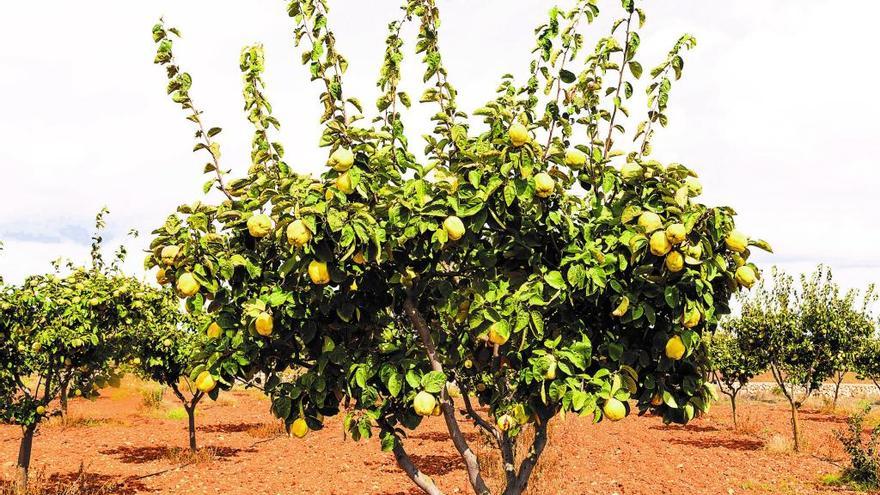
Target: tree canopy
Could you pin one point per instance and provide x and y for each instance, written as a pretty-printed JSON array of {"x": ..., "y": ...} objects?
[{"x": 529, "y": 259}]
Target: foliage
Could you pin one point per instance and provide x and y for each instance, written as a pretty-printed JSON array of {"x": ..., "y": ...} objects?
[
  {"x": 67, "y": 331},
  {"x": 867, "y": 361},
  {"x": 801, "y": 333},
  {"x": 732, "y": 366},
  {"x": 864, "y": 468},
  {"x": 514, "y": 261},
  {"x": 167, "y": 352}
]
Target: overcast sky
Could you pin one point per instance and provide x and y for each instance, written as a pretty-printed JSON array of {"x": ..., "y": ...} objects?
[{"x": 778, "y": 111}]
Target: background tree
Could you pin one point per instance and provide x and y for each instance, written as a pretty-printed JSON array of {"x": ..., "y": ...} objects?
[
  {"x": 801, "y": 332},
  {"x": 64, "y": 331},
  {"x": 854, "y": 339},
  {"x": 731, "y": 366},
  {"x": 169, "y": 351},
  {"x": 534, "y": 262},
  {"x": 867, "y": 362}
]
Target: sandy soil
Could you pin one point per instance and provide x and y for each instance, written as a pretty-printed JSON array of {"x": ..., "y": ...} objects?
[{"x": 123, "y": 448}]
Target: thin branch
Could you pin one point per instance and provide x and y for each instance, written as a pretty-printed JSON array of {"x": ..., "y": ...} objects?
[{"x": 619, "y": 85}]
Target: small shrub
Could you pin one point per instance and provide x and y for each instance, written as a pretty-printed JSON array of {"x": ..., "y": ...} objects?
[
  {"x": 779, "y": 444},
  {"x": 152, "y": 395},
  {"x": 864, "y": 469}
]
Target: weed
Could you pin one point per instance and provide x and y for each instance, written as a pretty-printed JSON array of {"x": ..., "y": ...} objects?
[
  {"x": 152, "y": 395},
  {"x": 864, "y": 468},
  {"x": 176, "y": 414},
  {"x": 779, "y": 444}
]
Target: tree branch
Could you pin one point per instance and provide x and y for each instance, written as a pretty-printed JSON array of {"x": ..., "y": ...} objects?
[
  {"x": 528, "y": 464},
  {"x": 446, "y": 405},
  {"x": 619, "y": 85},
  {"x": 508, "y": 456},
  {"x": 405, "y": 463}
]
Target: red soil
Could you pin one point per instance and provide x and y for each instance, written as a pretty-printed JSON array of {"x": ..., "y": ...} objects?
[{"x": 128, "y": 450}]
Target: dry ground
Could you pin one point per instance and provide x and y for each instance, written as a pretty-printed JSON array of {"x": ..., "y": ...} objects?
[{"x": 117, "y": 445}]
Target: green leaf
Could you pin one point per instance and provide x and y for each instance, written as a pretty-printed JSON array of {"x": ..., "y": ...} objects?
[
  {"x": 388, "y": 441},
  {"x": 567, "y": 77},
  {"x": 433, "y": 382},
  {"x": 281, "y": 406},
  {"x": 554, "y": 279}
]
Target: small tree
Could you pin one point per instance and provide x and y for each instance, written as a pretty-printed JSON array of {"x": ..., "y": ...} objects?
[
  {"x": 168, "y": 352},
  {"x": 731, "y": 366},
  {"x": 64, "y": 332},
  {"x": 855, "y": 340},
  {"x": 867, "y": 362},
  {"x": 532, "y": 261},
  {"x": 801, "y": 332}
]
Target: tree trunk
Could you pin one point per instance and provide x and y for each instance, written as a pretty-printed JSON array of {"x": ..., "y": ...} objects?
[
  {"x": 840, "y": 375},
  {"x": 421, "y": 480},
  {"x": 733, "y": 408},
  {"x": 191, "y": 413},
  {"x": 24, "y": 459},
  {"x": 528, "y": 464},
  {"x": 795, "y": 427},
  {"x": 63, "y": 395}
]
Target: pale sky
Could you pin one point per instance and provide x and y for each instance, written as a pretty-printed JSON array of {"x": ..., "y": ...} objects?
[{"x": 777, "y": 111}]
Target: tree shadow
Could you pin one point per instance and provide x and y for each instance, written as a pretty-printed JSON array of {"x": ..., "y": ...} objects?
[
  {"x": 437, "y": 465},
  {"x": 690, "y": 427},
  {"x": 742, "y": 444},
  {"x": 229, "y": 427},
  {"x": 143, "y": 455},
  {"x": 435, "y": 436},
  {"x": 430, "y": 464},
  {"x": 820, "y": 417},
  {"x": 81, "y": 482}
]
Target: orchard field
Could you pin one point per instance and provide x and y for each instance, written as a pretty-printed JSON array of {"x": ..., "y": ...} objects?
[
  {"x": 124, "y": 445},
  {"x": 522, "y": 297}
]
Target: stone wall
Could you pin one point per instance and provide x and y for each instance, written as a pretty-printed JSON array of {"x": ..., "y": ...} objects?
[{"x": 847, "y": 390}]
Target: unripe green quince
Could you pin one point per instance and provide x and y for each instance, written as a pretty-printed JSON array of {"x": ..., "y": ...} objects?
[{"x": 454, "y": 227}]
